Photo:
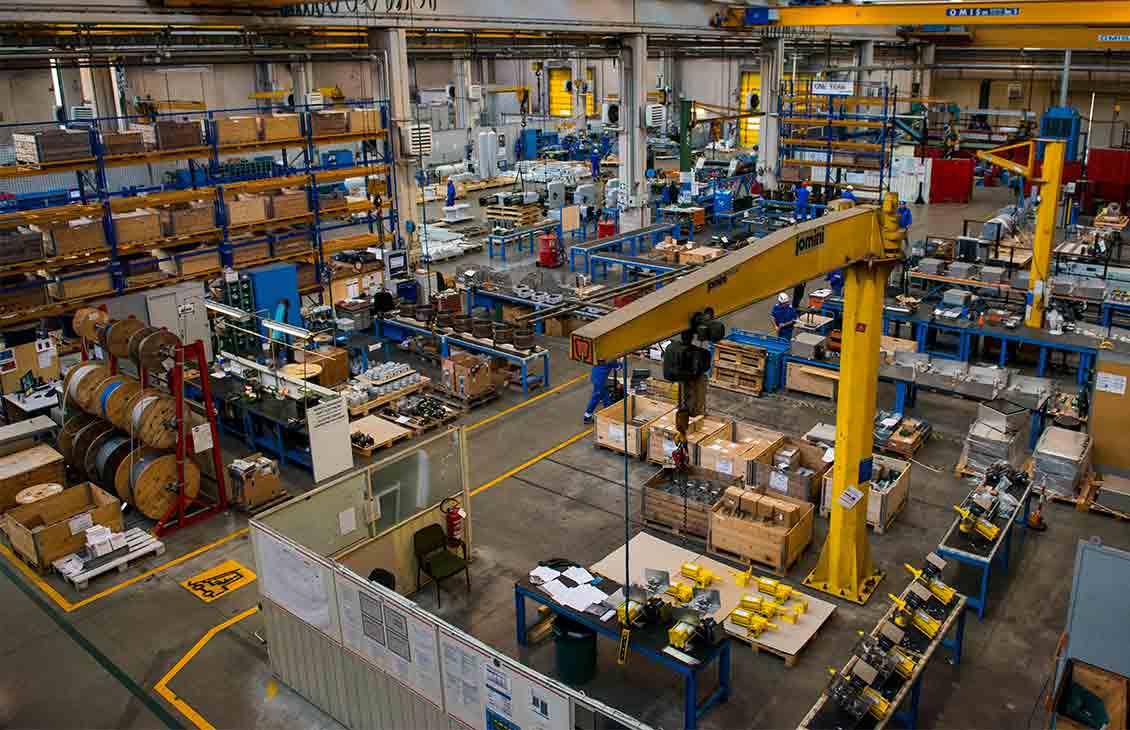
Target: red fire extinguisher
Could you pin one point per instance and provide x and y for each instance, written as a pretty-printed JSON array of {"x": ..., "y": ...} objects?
[{"x": 453, "y": 517}]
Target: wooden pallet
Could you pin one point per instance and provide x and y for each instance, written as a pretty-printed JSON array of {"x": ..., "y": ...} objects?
[
  {"x": 363, "y": 409},
  {"x": 264, "y": 506},
  {"x": 819, "y": 612},
  {"x": 464, "y": 403},
  {"x": 758, "y": 648},
  {"x": 737, "y": 355},
  {"x": 384, "y": 433},
  {"x": 139, "y": 544},
  {"x": 736, "y": 381},
  {"x": 515, "y": 213},
  {"x": 780, "y": 572},
  {"x": 416, "y": 424},
  {"x": 654, "y": 524}
]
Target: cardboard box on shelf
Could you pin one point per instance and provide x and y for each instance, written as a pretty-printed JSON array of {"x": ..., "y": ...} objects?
[
  {"x": 237, "y": 130},
  {"x": 137, "y": 226},
  {"x": 169, "y": 134},
  {"x": 362, "y": 121},
  {"x": 191, "y": 218},
  {"x": 73, "y": 282},
  {"x": 74, "y": 236},
  {"x": 288, "y": 203},
  {"x": 329, "y": 122},
  {"x": 51, "y": 145},
  {"x": 122, "y": 143},
  {"x": 247, "y": 209},
  {"x": 277, "y": 127}
]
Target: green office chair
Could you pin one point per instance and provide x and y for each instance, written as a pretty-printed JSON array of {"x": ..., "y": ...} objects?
[{"x": 434, "y": 560}]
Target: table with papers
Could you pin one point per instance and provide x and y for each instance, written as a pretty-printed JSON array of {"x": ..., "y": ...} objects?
[{"x": 590, "y": 599}]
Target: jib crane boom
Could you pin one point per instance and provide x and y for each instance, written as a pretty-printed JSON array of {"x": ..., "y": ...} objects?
[{"x": 866, "y": 243}]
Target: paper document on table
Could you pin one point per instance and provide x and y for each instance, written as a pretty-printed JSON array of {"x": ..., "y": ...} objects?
[
  {"x": 544, "y": 574},
  {"x": 556, "y": 590},
  {"x": 578, "y": 575}
]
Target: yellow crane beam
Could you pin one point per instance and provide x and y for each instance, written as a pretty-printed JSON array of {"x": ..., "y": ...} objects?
[
  {"x": 1076, "y": 38},
  {"x": 864, "y": 241},
  {"x": 993, "y": 12}
]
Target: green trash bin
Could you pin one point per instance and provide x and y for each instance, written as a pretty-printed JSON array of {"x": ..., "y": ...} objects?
[{"x": 575, "y": 656}]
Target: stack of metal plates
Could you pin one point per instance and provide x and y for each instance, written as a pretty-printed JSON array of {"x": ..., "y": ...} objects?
[
  {"x": 1003, "y": 415},
  {"x": 963, "y": 270},
  {"x": 822, "y": 433},
  {"x": 985, "y": 446},
  {"x": 956, "y": 298},
  {"x": 808, "y": 346},
  {"x": 1062, "y": 458},
  {"x": 930, "y": 266},
  {"x": 992, "y": 274}
]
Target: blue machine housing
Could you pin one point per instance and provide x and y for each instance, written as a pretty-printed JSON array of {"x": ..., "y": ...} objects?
[
  {"x": 272, "y": 285},
  {"x": 1061, "y": 122}
]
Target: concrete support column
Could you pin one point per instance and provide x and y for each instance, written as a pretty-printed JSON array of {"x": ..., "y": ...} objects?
[
  {"x": 772, "y": 67},
  {"x": 461, "y": 79},
  {"x": 671, "y": 80},
  {"x": 97, "y": 90},
  {"x": 926, "y": 58},
  {"x": 389, "y": 49},
  {"x": 1066, "y": 78},
  {"x": 303, "y": 82},
  {"x": 864, "y": 56},
  {"x": 633, "y": 136},
  {"x": 577, "y": 73}
]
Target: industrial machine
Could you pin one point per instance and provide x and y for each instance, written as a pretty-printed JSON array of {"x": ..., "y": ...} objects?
[
  {"x": 695, "y": 621},
  {"x": 890, "y": 641},
  {"x": 866, "y": 242},
  {"x": 1063, "y": 123},
  {"x": 855, "y": 693},
  {"x": 931, "y": 577},
  {"x": 551, "y": 253},
  {"x": 912, "y": 611}
]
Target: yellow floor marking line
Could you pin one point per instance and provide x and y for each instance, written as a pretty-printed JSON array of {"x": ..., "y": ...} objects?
[
  {"x": 67, "y": 606},
  {"x": 527, "y": 402},
  {"x": 567, "y": 442},
  {"x": 162, "y": 686}
]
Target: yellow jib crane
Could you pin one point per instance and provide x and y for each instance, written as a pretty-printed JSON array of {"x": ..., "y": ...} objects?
[
  {"x": 865, "y": 241},
  {"x": 1048, "y": 181}
]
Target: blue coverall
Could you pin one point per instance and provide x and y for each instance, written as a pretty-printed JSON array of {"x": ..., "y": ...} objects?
[
  {"x": 781, "y": 314},
  {"x": 802, "y": 208},
  {"x": 595, "y": 161},
  {"x": 905, "y": 218},
  {"x": 836, "y": 281},
  {"x": 599, "y": 380},
  {"x": 450, "y": 193},
  {"x": 849, "y": 195}
]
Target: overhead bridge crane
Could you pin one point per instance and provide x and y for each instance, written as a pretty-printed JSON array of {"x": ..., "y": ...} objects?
[{"x": 866, "y": 242}]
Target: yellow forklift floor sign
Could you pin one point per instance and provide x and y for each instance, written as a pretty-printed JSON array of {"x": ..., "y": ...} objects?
[{"x": 218, "y": 581}]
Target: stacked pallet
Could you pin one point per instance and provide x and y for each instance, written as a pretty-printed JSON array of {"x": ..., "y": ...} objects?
[
  {"x": 514, "y": 216},
  {"x": 738, "y": 367}
]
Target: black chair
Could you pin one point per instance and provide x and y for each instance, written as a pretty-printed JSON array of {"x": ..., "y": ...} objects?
[
  {"x": 382, "y": 577},
  {"x": 434, "y": 560}
]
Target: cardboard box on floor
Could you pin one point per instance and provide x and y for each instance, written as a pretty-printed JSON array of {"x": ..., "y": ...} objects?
[
  {"x": 612, "y": 432},
  {"x": 661, "y": 441},
  {"x": 731, "y": 450},
  {"x": 256, "y": 483},
  {"x": 466, "y": 376},
  {"x": 760, "y": 471}
]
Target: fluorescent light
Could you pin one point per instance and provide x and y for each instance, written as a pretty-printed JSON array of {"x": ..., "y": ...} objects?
[
  {"x": 287, "y": 329},
  {"x": 226, "y": 310}
]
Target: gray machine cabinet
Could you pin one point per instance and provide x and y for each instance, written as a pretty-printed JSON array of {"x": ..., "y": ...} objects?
[
  {"x": 178, "y": 308},
  {"x": 1098, "y": 615}
]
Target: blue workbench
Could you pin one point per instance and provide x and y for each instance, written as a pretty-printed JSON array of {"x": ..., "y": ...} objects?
[
  {"x": 488, "y": 298},
  {"x": 628, "y": 264},
  {"x": 517, "y": 236},
  {"x": 637, "y": 241},
  {"x": 647, "y": 643},
  {"x": 400, "y": 330},
  {"x": 1110, "y": 309}
]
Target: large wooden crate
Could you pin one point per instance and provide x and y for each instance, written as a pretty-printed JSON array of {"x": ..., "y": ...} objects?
[
  {"x": 882, "y": 507},
  {"x": 364, "y": 121},
  {"x": 611, "y": 431},
  {"x": 137, "y": 226},
  {"x": 237, "y": 130},
  {"x": 188, "y": 262},
  {"x": 248, "y": 253},
  {"x": 192, "y": 218},
  {"x": 812, "y": 379},
  {"x": 665, "y": 510},
  {"x": 731, "y": 450},
  {"x": 1110, "y": 688},
  {"x": 74, "y": 236},
  {"x": 75, "y": 282},
  {"x": 123, "y": 143},
  {"x": 54, "y": 527},
  {"x": 246, "y": 209},
  {"x": 38, "y": 465},
  {"x": 277, "y": 127},
  {"x": 761, "y": 538},
  {"x": 661, "y": 441},
  {"x": 326, "y": 123},
  {"x": 51, "y": 145},
  {"x": 20, "y": 243},
  {"x": 21, "y": 291},
  {"x": 169, "y": 134},
  {"x": 288, "y": 204},
  {"x": 777, "y": 482}
]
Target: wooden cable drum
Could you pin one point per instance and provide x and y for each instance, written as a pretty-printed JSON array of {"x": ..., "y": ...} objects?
[
  {"x": 151, "y": 417},
  {"x": 147, "y": 479},
  {"x": 81, "y": 384},
  {"x": 134, "y": 341},
  {"x": 83, "y": 439},
  {"x": 87, "y": 321},
  {"x": 302, "y": 370},
  {"x": 108, "y": 457},
  {"x": 67, "y": 434},
  {"x": 28, "y": 495},
  {"x": 115, "y": 338},
  {"x": 88, "y": 459},
  {"x": 154, "y": 348},
  {"x": 113, "y": 394}
]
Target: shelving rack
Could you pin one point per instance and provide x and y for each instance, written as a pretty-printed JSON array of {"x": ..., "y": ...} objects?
[
  {"x": 815, "y": 128},
  {"x": 301, "y": 166}
]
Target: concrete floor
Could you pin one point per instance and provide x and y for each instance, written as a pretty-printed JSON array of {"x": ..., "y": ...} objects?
[{"x": 569, "y": 504}]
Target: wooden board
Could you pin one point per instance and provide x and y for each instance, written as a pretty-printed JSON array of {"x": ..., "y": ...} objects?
[
  {"x": 384, "y": 433},
  {"x": 812, "y": 380},
  {"x": 738, "y": 355},
  {"x": 36, "y": 465},
  {"x": 647, "y": 551}
]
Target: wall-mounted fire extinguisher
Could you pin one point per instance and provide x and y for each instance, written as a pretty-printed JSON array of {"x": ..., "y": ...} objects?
[{"x": 453, "y": 519}]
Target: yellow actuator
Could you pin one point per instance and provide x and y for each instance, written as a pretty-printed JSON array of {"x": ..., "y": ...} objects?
[
  {"x": 930, "y": 575},
  {"x": 701, "y": 576},
  {"x": 782, "y": 593},
  {"x": 769, "y": 609},
  {"x": 681, "y": 592},
  {"x": 971, "y": 522},
  {"x": 754, "y": 623},
  {"x": 911, "y": 613}
]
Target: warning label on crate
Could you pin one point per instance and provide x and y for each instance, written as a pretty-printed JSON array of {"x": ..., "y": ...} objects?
[
  {"x": 218, "y": 581},
  {"x": 1110, "y": 383}
]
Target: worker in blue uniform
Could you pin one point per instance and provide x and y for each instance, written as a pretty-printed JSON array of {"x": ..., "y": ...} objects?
[
  {"x": 802, "y": 208},
  {"x": 594, "y": 160},
  {"x": 835, "y": 281},
  {"x": 784, "y": 316},
  {"x": 849, "y": 194},
  {"x": 599, "y": 380},
  {"x": 450, "y": 193},
  {"x": 905, "y": 218}
]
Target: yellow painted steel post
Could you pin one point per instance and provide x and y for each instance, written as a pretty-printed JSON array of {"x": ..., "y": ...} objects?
[
  {"x": 845, "y": 569},
  {"x": 1051, "y": 175}
]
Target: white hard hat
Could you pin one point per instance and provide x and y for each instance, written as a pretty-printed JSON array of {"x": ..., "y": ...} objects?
[
  {"x": 784, "y": 298},
  {"x": 849, "y": 187}
]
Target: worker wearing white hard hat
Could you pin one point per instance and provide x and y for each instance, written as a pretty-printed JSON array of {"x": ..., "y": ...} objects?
[
  {"x": 784, "y": 316},
  {"x": 849, "y": 194}
]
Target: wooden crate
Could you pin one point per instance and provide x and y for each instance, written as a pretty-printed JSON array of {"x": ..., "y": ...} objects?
[
  {"x": 664, "y": 510},
  {"x": 74, "y": 236},
  {"x": 611, "y": 432},
  {"x": 731, "y": 450},
  {"x": 882, "y": 507},
  {"x": 661, "y": 441},
  {"x": 700, "y": 255},
  {"x": 294, "y": 244},
  {"x": 562, "y": 326},
  {"x": 81, "y": 281},
  {"x": 191, "y": 218},
  {"x": 246, "y": 209},
  {"x": 237, "y": 130},
  {"x": 123, "y": 143},
  {"x": 169, "y": 134},
  {"x": 760, "y": 471},
  {"x": 362, "y": 121},
  {"x": 22, "y": 291},
  {"x": 307, "y": 275},
  {"x": 136, "y": 226},
  {"x": 737, "y": 380},
  {"x": 38, "y": 465},
  {"x": 1111, "y": 688},
  {"x": 812, "y": 380},
  {"x": 251, "y": 252},
  {"x": 53, "y": 527},
  {"x": 326, "y": 123},
  {"x": 51, "y": 145},
  {"x": 288, "y": 203},
  {"x": 188, "y": 263},
  {"x": 746, "y": 539},
  {"x": 739, "y": 355},
  {"x": 277, "y": 127},
  {"x": 21, "y": 243}
]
